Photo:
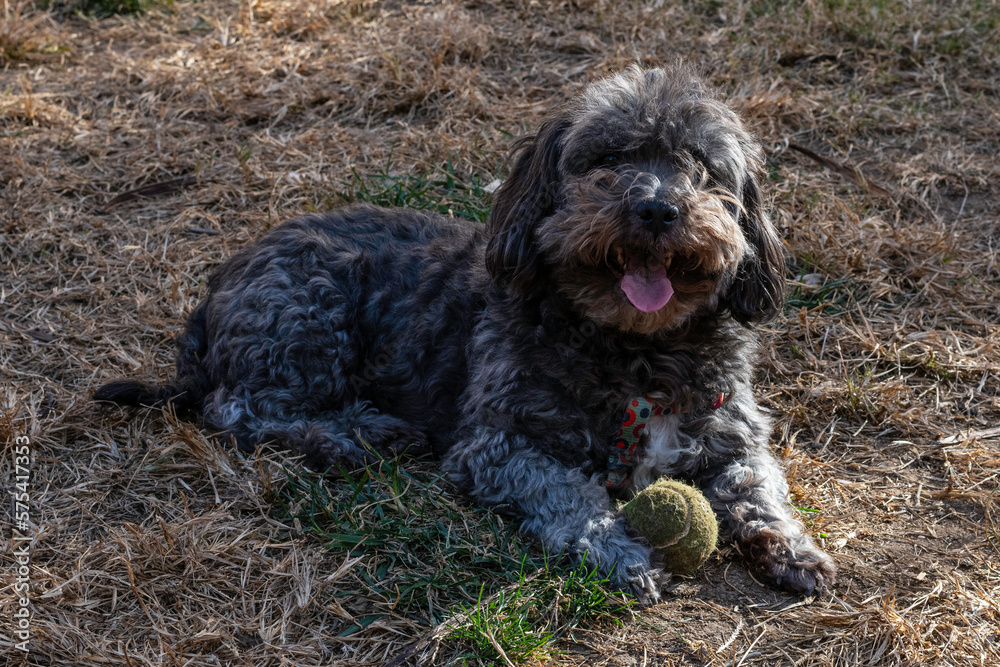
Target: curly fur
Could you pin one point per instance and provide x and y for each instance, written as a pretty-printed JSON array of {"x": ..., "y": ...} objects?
[{"x": 510, "y": 350}]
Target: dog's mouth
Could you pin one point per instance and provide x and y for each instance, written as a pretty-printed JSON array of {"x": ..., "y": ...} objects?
[{"x": 644, "y": 278}]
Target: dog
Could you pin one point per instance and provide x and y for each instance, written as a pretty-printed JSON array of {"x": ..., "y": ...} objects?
[{"x": 623, "y": 267}]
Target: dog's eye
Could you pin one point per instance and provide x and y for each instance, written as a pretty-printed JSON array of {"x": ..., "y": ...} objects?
[{"x": 608, "y": 160}]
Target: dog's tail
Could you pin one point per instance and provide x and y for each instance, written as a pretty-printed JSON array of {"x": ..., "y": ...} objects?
[
  {"x": 135, "y": 393},
  {"x": 186, "y": 392}
]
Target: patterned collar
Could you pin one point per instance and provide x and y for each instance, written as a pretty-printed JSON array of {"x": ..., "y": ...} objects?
[{"x": 638, "y": 412}]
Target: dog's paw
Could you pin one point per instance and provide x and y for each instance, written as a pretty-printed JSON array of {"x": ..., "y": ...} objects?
[
  {"x": 794, "y": 564},
  {"x": 626, "y": 563},
  {"x": 643, "y": 581}
]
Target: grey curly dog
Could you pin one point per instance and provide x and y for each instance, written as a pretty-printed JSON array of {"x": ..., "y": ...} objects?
[{"x": 625, "y": 262}]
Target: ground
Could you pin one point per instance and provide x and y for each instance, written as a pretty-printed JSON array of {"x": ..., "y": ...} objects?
[{"x": 139, "y": 150}]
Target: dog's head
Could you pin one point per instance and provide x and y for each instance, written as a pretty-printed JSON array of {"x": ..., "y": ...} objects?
[{"x": 641, "y": 204}]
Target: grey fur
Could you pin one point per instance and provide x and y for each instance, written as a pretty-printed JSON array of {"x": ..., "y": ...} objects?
[{"x": 511, "y": 350}]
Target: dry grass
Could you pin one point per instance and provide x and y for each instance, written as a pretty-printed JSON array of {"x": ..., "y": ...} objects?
[
  {"x": 25, "y": 32},
  {"x": 137, "y": 152}
]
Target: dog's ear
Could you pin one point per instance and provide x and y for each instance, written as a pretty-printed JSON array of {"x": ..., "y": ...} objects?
[
  {"x": 758, "y": 290},
  {"x": 527, "y": 196}
]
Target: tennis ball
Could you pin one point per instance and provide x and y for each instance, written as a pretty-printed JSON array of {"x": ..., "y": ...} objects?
[{"x": 678, "y": 522}]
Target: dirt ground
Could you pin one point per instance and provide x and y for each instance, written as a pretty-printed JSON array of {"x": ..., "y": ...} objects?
[{"x": 136, "y": 152}]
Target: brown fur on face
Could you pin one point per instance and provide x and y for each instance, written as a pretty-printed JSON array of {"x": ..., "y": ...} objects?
[{"x": 585, "y": 240}]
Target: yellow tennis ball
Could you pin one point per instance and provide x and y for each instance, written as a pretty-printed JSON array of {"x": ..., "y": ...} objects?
[{"x": 678, "y": 522}]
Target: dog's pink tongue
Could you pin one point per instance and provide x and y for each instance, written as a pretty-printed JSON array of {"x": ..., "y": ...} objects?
[{"x": 648, "y": 288}]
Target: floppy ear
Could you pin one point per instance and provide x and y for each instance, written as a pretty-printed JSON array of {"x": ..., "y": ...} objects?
[
  {"x": 527, "y": 196},
  {"x": 758, "y": 290}
]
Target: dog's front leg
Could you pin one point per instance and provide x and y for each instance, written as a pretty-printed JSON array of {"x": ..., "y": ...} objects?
[
  {"x": 749, "y": 496},
  {"x": 560, "y": 505}
]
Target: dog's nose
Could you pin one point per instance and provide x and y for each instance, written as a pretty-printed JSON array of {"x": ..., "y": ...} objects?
[{"x": 656, "y": 214}]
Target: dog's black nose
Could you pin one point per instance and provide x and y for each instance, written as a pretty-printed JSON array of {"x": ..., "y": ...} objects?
[{"x": 657, "y": 214}]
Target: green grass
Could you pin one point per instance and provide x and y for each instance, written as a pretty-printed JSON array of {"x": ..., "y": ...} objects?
[
  {"x": 100, "y": 8},
  {"x": 862, "y": 401},
  {"x": 444, "y": 190},
  {"x": 525, "y": 621},
  {"x": 930, "y": 365},
  {"x": 431, "y": 558},
  {"x": 808, "y": 515},
  {"x": 832, "y": 296}
]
